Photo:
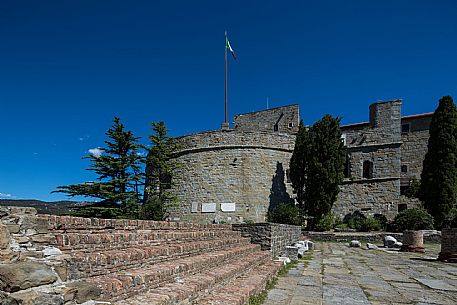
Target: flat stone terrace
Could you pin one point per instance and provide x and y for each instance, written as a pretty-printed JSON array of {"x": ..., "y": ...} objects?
[{"x": 339, "y": 275}]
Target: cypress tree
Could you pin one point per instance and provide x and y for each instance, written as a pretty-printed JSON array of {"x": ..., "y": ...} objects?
[
  {"x": 160, "y": 168},
  {"x": 439, "y": 173},
  {"x": 298, "y": 166},
  {"x": 325, "y": 165},
  {"x": 316, "y": 167}
]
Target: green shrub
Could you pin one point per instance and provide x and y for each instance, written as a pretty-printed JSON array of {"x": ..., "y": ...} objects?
[
  {"x": 354, "y": 220},
  {"x": 325, "y": 224},
  {"x": 451, "y": 219},
  {"x": 285, "y": 213},
  {"x": 368, "y": 224},
  {"x": 337, "y": 222},
  {"x": 413, "y": 219},
  {"x": 413, "y": 190},
  {"x": 382, "y": 219}
]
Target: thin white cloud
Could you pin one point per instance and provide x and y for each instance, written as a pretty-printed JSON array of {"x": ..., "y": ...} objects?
[
  {"x": 9, "y": 196},
  {"x": 96, "y": 152}
]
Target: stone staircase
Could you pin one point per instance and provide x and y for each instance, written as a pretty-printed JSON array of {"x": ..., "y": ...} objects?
[{"x": 149, "y": 262}]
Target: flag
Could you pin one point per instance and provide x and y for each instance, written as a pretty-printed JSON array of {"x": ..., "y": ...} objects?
[{"x": 228, "y": 46}]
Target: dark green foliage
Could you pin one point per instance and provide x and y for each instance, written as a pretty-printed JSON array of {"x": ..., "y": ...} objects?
[
  {"x": 413, "y": 190},
  {"x": 382, "y": 219},
  {"x": 153, "y": 209},
  {"x": 160, "y": 168},
  {"x": 413, "y": 219},
  {"x": 358, "y": 221},
  {"x": 325, "y": 223},
  {"x": 368, "y": 224},
  {"x": 119, "y": 174},
  {"x": 298, "y": 164},
  {"x": 317, "y": 166},
  {"x": 451, "y": 219},
  {"x": 286, "y": 213},
  {"x": 439, "y": 175}
]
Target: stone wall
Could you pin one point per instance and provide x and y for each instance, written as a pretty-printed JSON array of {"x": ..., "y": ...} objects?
[
  {"x": 414, "y": 145},
  {"x": 374, "y": 237},
  {"x": 370, "y": 197},
  {"x": 377, "y": 143},
  {"x": 237, "y": 175},
  {"x": 282, "y": 119},
  {"x": 231, "y": 176},
  {"x": 270, "y": 236},
  {"x": 449, "y": 245}
]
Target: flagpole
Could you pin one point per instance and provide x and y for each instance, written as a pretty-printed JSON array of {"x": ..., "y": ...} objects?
[{"x": 226, "y": 82}]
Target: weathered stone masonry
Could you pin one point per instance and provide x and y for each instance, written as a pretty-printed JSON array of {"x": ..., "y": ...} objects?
[
  {"x": 236, "y": 175},
  {"x": 56, "y": 260}
]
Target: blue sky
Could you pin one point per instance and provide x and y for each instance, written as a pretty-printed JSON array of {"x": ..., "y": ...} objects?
[{"x": 68, "y": 67}]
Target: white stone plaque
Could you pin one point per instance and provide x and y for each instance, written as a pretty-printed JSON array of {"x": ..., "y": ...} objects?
[
  {"x": 194, "y": 207},
  {"x": 208, "y": 207},
  {"x": 228, "y": 207}
]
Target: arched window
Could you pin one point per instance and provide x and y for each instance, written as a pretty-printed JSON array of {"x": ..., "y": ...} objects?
[{"x": 367, "y": 169}]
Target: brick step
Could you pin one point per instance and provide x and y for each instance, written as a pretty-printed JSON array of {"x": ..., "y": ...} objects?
[
  {"x": 130, "y": 282},
  {"x": 239, "y": 291},
  {"x": 189, "y": 287},
  {"x": 88, "y": 240},
  {"x": 86, "y": 264},
  {"x": 69, "y": 223}
]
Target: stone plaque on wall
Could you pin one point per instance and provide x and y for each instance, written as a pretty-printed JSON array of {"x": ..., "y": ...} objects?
[
  {"x": 208, "y": 207},
  {"x": 228, "y": 207},
  {"x": 194, "y": 207}
]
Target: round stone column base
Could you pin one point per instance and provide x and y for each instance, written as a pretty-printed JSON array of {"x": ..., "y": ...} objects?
[{"x": 405, "y": 248}]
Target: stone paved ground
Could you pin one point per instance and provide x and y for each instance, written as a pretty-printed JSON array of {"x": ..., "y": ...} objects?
[{"x": 338, "y": 274}]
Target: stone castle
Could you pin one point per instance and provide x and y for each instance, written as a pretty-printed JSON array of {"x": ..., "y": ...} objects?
[{"x": 236, "y": 175}]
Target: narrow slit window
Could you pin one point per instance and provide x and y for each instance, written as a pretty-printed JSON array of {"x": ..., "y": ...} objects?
[{"x": 367, "y": 169}]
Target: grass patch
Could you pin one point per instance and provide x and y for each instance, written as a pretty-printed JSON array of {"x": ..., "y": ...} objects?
[{"x": 258, "y": 299}]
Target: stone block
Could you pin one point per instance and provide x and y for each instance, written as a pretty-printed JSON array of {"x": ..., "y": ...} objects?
[
  {"x": 194, "y": 207},
  {"x": 85, "y": 291},
  {"x": 37, "y": 298},
  {"x": 23, "y": 275},
  {"x": 8, "y": 256},
  {"x": 4, "y": 236},
  {"x": 48, "y": 239},
  {"x": 13, "y": 228}
]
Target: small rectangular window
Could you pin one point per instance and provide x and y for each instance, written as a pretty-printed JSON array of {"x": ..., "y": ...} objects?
[
  {"x": 275, "y": 127},
  {"x": 404, "y": 168},
  {"x": 402, "y": 207},
  {"x": 288, "y": 176},
  {"x": 291, "y": 125},
  {"x": 405, "y": 127}
]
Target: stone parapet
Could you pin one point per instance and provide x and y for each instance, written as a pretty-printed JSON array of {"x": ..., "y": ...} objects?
[
  {"x": 270, "y": 236},
  {"x": 448, "y": 245}
]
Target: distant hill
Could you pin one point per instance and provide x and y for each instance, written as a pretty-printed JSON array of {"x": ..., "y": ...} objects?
[{"x": 43, "y": 207}]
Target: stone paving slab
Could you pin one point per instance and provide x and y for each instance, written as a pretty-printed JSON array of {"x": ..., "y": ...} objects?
[{"x": 340, "y": 275}]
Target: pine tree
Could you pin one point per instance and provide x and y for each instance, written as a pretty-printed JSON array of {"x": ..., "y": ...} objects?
[
  {"x": 160, "y": 168},
  {"x": 439, "y": 173},
  {"x": 118, "y": 169},
  {"x": 298, "y": 165},
  {"x": 317, "y": 166}
]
